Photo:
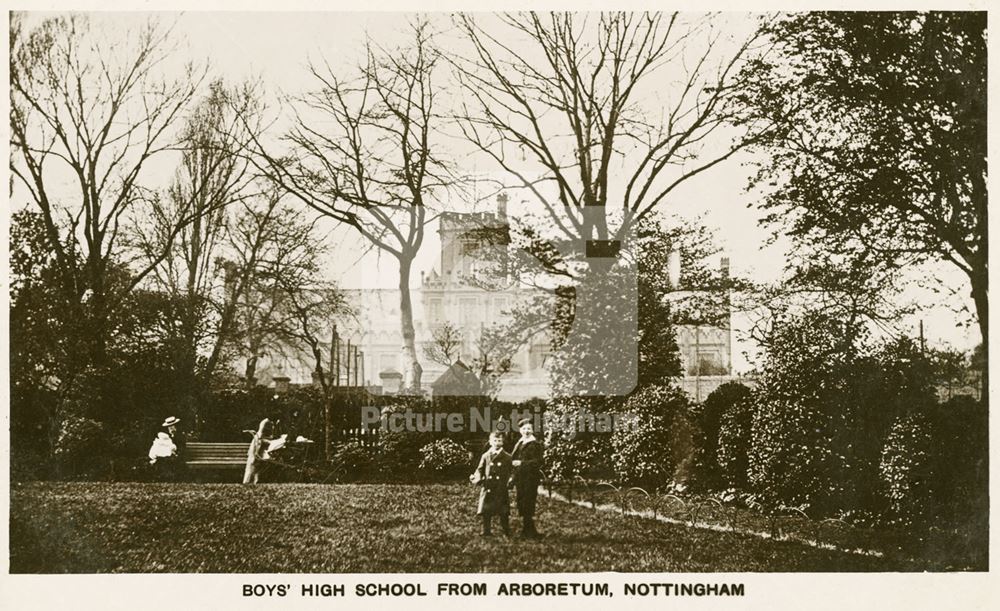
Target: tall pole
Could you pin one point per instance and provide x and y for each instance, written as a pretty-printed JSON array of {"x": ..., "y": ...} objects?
[
  {"x": 347, "y": 378},
  {"x": 697, "y": 359},
  {"x": 328, "y": 407},
  {"x": 335, "y": 349}
]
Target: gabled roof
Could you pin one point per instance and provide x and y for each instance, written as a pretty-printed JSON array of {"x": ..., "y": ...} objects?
[{"x": 458, "y": 380}]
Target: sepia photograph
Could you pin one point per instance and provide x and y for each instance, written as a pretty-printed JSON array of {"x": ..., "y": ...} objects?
[{"x": 498, "y": 293}]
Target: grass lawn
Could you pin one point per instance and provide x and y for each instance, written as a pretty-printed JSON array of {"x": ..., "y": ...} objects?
[{"x": 278, "y": 528}]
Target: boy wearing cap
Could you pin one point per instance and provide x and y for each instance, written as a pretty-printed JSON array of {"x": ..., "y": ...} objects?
[
  {"x": 527, "y": 461},
  {"x": 493, "y": 474}
]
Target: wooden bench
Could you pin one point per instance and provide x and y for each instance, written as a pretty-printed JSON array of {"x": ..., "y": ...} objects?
[{"x": 203, "y": 455}]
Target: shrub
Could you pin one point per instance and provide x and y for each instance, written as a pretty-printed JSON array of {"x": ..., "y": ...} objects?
[
  {"x": 79, "y": 446},
  {"x": 907, "y": 470},
  {"x": 792, "y": 460},
  {"x": 300, "y": 411},
  {"x": 445, "y": 457},
  {"x": 733, "y": 442},
  {"x": 723, "y": 401},
  {"x": 400, "y": 450},
  {"x": 586, "y": 455},
  {"x": 233, "y": 410},
  {"x": 354, "y": 462},
  {"x": 657, "y": 451},
  {"x": 961, "y": 430},
  {"x": 568, "y": 451},
  {"x": 801, "y": 428},
  {"x": 824, "y": 405}
]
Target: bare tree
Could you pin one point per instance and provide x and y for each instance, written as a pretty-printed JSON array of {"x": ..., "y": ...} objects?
[
  {"x": 93, "y": 113},
  {"x": 598, "y": 114},
  {"x": 212, "y": 174},
  {"x": 251, "y": 240},
  {"x": 495, "y": 350},
  {"x": 445, "y": 344},
  {"x": 276, "y": 303},
  {"x": 598, "y": 118},
  {"x": 362, "y": 153}
]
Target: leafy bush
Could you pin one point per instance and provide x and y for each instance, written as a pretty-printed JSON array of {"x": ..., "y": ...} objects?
[
  {"x": 658, "y": 450},
  {"x": 233, "y": 410},
  {"x": 400, "y": 450},
  {"x": 733, "y": 443},
  {"x": 792, "y": 459},
  {"x": 724, "y": 401},
  {"x": 801, "y": 429},
  {"x": 825, "y": 402},
  {"x": 961, "y": 429},
  {"x": 355, "y": 462},
  {"x": 907, "y": 470},
  {"x": 445, "y": 457},
  {"x": 568, "y": 451},
  {"x": 79, "y": 446}
]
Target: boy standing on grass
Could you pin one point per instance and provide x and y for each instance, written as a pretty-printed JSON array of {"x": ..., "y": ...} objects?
[
  {"x": 493, "y": 474},
  {"x": 528, "y": 456}
]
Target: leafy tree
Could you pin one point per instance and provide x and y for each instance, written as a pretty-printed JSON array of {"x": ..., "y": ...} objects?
[{"x": 878, "y": 156}]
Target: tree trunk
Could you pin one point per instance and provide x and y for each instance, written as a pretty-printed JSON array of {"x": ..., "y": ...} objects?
[
  {"x": 413, "y": 371},
  {"x": 250, "y": 373},
  {"x": 980, "y": 295}
]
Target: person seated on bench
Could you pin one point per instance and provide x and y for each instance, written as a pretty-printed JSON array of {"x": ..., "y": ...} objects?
[
  {"x": 163, "y": 448},
  {"x": 167, "y": 451},
  {"x": 170, "y": 428},
  {"x": 177, "y": 464},
  {"x": 257, "y": 453}
]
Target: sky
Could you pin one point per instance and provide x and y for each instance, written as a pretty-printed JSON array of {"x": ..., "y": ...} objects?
[{"x": 275, "y": 49}]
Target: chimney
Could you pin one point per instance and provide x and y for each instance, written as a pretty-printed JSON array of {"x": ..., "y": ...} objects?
[
  {"x": 674, "y": 268},
  {"x": 502, "y": 200},
  {"x": 724, "y": 267}
]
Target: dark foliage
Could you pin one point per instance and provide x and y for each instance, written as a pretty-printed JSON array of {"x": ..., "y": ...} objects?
[{"x": 719, "y": 407}]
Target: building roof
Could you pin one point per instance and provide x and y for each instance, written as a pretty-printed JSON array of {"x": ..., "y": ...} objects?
[{"x": 458, "y": 380}]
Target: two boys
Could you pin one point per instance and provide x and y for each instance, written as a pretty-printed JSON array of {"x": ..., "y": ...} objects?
[{"x": 498, "y": 471}]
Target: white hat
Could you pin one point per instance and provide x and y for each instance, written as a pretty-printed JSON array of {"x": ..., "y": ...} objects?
[{"x": 171, "y": 421}]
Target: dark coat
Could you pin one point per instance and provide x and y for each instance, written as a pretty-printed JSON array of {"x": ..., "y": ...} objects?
[
  {"x": 531, "y": 455},
  {"x": 494, "y": 474},
  {"x": 180, "y": 440}
]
